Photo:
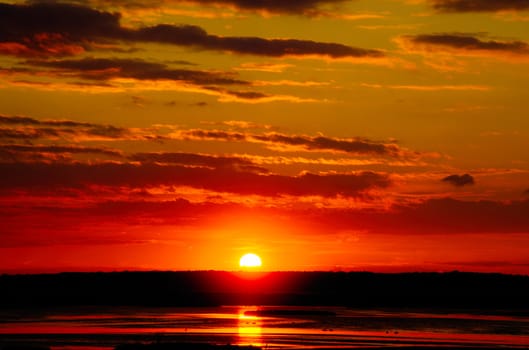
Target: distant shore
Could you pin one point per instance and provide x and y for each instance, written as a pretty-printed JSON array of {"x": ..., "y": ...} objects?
[{"x": 213, "y": 288}]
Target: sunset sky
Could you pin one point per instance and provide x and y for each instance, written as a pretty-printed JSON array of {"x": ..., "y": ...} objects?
[{"x": 380, "y": 135}]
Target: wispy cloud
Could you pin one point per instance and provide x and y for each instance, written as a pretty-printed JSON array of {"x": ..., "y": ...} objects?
[
  {"x": 24, "y": 128},
  {"x": 264, "y": 67},
  {"x": 103, "y": 75},
  {"x": 465, "y": 45},
  {"x": 24, "y": 153},
  {"x": 389, "y": 26},
  {"x": 203, "y": 160},
  {"x": 116, "y": 72},
  {"x": 27, "y": 128},
  {"x": 108, "y": 68},
  {"x": 358, "y": 146},
  {"x": 289, "y": 83},
  {"x": 240, "y": 124},
  {"x": 430, "y": 87}
]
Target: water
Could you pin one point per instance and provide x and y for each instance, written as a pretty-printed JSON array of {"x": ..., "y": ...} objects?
[{"x": 299, "y": 328}]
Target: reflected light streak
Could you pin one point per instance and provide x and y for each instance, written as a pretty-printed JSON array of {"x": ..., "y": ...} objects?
[{"x": 249, "y": 328}]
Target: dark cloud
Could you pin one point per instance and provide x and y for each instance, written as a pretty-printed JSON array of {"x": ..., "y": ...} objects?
[
  {"x": 276, "y": 6},
  {"x": 29, "y": 176},
  {"x": 60, "y": 149},
  {"x": 248, "y": 95},
  {"x": 214, "y": 135},
  {"x": 75, "y": 22},
  {"x": 107, "y": 68},
  {"x": 357, "y": 146},
  {"x": 469, "y": 43},
  {"x": 51, "y": 29},
  {"x": 295, "y": 7},
  {"x": 186, "y": 35},
  {"x": 33, "y": 133},
  {"x": 27, "y": 133},
  {"x": 27, "y": 128},
  {"x": 40, "y": 152},
  {"x": 243, "y": 95},
  {"x": 102, "y": 69},
  {"x": 459, "y": 180},
  {"x": 30, "y": 129},
  {"x": 193, "y": 159},
  {"x": 351, "y": 145},
  {"x": 26, "y": 25},
  {"x": 480, "y": 5},
  {"x": 96, "y": 129}
]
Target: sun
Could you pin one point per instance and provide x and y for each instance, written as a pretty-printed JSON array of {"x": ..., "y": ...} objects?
[{"x": 250, "y": 260}]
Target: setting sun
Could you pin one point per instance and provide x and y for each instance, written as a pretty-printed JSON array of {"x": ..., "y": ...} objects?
[{"x": 250, "y": 260}]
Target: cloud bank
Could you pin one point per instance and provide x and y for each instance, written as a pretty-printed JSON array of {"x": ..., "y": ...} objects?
[
  {"x": 81, "y": 175},
  {"x": 58, "y": 29}
]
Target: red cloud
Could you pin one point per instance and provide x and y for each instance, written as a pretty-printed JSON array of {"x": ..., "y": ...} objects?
[
  {"x": 434, "y": 216},
  {"x": 28, "y": 176}
]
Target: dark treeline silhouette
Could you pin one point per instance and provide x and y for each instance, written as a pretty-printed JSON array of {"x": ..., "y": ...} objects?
[
  {"x": 183, "y": 346},
  {"x": 209, "y": 288},
  {"x": 202, "y": 346}
]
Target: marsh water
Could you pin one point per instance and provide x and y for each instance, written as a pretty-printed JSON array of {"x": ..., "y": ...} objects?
[{"x": 266, "y": 327}]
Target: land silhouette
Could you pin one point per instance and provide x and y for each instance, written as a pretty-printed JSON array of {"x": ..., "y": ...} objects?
[{"x": 213, "y": 288}]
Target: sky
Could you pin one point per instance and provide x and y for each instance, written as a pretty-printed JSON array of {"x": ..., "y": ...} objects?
[{"x": 333, "y": 135}]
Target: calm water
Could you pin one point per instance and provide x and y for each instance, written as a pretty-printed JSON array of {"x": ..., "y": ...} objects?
[{"x": 90, "y": 328}]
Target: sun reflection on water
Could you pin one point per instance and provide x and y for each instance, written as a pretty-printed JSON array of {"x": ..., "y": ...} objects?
[{"x": 249, "y": 327}]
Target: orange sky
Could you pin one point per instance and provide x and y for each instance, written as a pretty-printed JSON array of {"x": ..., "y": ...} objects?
[{"x": 382, "y": 135}]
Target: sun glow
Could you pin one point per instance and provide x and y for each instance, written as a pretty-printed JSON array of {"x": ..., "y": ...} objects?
[{"x": 250, "y": 260}]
